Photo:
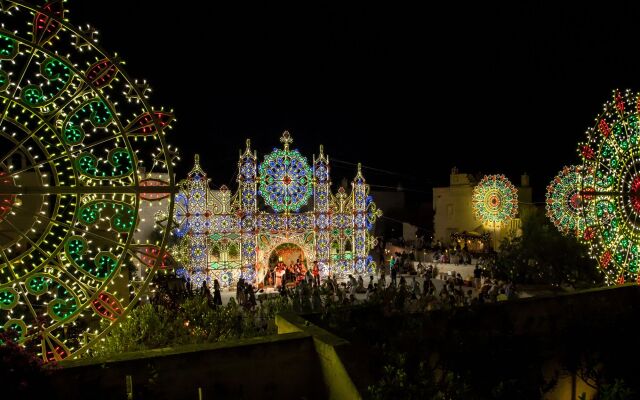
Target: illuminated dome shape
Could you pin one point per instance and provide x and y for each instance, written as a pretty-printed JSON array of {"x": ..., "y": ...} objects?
[
  {"x": 611, "y": 153},
  {"x": 286, "y": 181},
  {"x": 566, "y": 197},
  {"x": 495, "y": 200},
  {"x": 81, "y": 153}
]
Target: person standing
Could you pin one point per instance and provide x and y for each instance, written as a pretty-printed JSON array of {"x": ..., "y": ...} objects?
[
  {"x": 316, "y": 274},
  {"x": 370, "y": 285},
  {"x": 240, "y": 292},
  {"x": 206, "y": 293},
  {"x": 393, "y": 266},
  {"x": 477, "y": 274},
  {"x": 308, "y": 278},
  {"x": 217, "y": 298},
  {"x": 279, "y": 275},
  {"x": 251, "y": 302},
  {"x": 360, "y": 286},
  {"x": 416, "y": 289}
]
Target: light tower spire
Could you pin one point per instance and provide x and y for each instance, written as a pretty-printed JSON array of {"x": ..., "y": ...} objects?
[{"x": 286, "y": 139}]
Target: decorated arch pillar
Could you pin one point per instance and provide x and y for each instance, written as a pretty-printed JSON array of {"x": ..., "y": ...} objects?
[
  {"x": 322, "y": 197},
  {"x": 247, "y": 212}
]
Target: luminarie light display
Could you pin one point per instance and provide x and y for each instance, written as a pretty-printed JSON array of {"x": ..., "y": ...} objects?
[
  {"x": 566, "y": 197},
  {"x": 284, "y": 200},
  {"x": 81, "y": 152},
  {"x": 495, "y": 200},
  {"x": 610, "y": 154}
]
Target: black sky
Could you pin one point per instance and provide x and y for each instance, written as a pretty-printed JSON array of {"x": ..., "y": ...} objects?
[{"x": 413, "y": 88}]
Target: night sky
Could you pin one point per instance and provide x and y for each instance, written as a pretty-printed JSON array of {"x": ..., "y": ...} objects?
[{"x": 408, "y": 89}]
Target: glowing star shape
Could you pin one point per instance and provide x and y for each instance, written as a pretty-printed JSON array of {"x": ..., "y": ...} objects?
[
  {"x": 566, "y": 196},
  {"x": 70, "y": 189},
  {"x": 495, "y": 200},
  {"x": 610, "y": 154}
]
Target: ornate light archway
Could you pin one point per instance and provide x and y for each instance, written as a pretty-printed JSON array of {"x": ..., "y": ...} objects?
[{"x": 268, "y": 244}]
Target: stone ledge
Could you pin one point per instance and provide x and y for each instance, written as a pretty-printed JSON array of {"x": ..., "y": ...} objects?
[{"x": 189, "y": 348}]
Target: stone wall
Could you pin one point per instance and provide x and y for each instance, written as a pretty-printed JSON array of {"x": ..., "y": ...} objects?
[{"x": 272, "y": 367}]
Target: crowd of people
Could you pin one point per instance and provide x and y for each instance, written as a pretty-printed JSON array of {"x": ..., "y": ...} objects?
[
  {"x": 280, "y": 274},
  {"x": 445, "y": 256},
  {"x": 414, "y": 291}
]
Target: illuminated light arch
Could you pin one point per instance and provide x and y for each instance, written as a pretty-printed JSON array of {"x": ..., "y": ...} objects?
[
  {"x": 306, "y": 246},
  {"x": 256, "y": 228},
  {"x": 77, "y": 140}
]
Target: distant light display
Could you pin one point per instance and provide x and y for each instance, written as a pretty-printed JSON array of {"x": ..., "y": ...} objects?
[
  {"x": 566, "y": 197},
  {"x": 611, "y": 155},
  {"x": 81, "y": 152},
  {"x": 495, "y": 200}
]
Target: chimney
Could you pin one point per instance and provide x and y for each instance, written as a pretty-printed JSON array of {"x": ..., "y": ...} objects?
[{"x": 524, "y": 180}]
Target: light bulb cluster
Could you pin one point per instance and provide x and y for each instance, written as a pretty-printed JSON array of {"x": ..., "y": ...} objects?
[
  {"x": 610, "y": 153},
  {"x": 600, "y": 199},
  {"x": 495, "y": 200},
  {"x": 566, "y": 198},
  {"x": 86, "y": 154}
]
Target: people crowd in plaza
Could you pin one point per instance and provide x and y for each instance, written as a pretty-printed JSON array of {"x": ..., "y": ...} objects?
[
  {"x": 203, "y": 316},
  {"x": 411, "y": 287},
  {"x": 309, "y": 295},
  {"x": 404, "y": 292}
]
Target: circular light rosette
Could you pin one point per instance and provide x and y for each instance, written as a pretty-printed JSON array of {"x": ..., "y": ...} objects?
[
  {"x": 567, "y": 195},
  {"x": 611, "y": 154},
  {"x": 286, "y": 180},
  {"x": 495, "y": 200},
  {"x": 81, "y": 154}
]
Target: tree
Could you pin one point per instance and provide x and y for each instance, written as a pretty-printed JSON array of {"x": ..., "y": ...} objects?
[
  {"x": 192, "y": 320},
  {"x": 543, "y": 255}
]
